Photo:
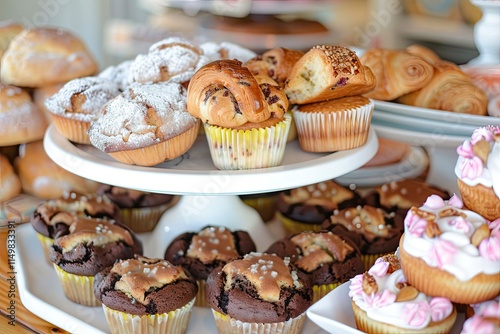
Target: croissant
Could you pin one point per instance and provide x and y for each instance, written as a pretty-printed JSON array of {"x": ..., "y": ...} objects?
[
  {"x": 451, "y": 90},
  {"x": 397, "y": 72},
  {"x": 276, "y": 62},
  {"x": 327, "y": 72},
  {"x": 430, "y": 56},
  {"x": 227, "y": 94}
]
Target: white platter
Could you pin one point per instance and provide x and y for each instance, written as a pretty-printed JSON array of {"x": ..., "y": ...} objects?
[
  {"x": 452, "y": 118},
  {"x": 194, "y": 173},
  {"x": 41, "y": 294},
  {"x": 413, "y": 164},
  {"x": 334, "y": 314}
]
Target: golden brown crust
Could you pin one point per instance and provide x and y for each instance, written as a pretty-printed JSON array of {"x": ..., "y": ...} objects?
[
  {"x": 227, "y": 94},
  {"x": 328, "y": 72},
  {"x": 43, "y": 56},
  {"x": 10, "y": 185},
  {"x": 8, "y": 30},
  {"x": 337, "y": 105}
]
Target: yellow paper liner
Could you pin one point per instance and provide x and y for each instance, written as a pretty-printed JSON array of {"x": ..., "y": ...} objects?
[
  {"x": 79, "y": 289},
  {"x": 335, "y": 131},
  {"x": 201, "y": 300},
  {"x": 145, "y": 219},
  {"x": 157, "y": 153},
  {"x": 248, "y": 149},
  {"x": 368, "y": 325},
  {"x": 292, "y": 226},
  {"x": 319, "y": 291},
  {"x": 227, "y": 325},
  {"x": 264, "y": 204},
  {"x": 480, "y": 199},
  {"x": 72, "y": 129},
  {"x": 174, "y": 322},
  {"x": 46, "y": 243}
]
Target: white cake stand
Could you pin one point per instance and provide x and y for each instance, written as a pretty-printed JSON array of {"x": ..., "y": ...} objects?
[
  {"x": 209, "y": 195},
  {"x": 487, "y": 33}
]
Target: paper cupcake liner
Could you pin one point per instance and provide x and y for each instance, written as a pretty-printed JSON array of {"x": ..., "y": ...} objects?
[
  {"x": 201, "y": 299},
  {"x": 155, "y": 154},
  {"x": 335, "y": 131},
  {"x": 480, "y": 199},
  {"x": 227, "y": 325},
  {"x": 319, "y": 291},
  {"x": 264, "y": 204},
  {"x": 73, "y": 129},
  {"x": 46, "y": 243},
  {"x": 145, "y": 219},
  {"x": 292, "y": 133},
  {"x": 436, "y": 282},
  {"x": 369, "y": 259},
  {"x": 79, "y": 289},
  {"x": 368, "y": 325},
  {"x": 248, "y": 149},
  {"x": 174, "y": 322},
  {"x": 292, "y": 226}
]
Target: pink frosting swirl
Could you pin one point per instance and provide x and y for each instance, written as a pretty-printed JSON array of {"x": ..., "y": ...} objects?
[
  {"x": 417, "y": 314},
  {"x": 465, "y": 150},
  {"x": 356, "y": 286},
  {"x": 489, "y": 248},
  {"x": 460, "y": 224},
  {"x": 379, "y": 268},
  {"x": 476, "y": 324},
  {"x": 378, "y": 300},
  {"x": 490, "y": 308},
  {"x": 442, "y": 252},
  {"x": 441, "y": 308},
  {"x": 456, "y": 202},
  {"x": 494, "y": 226},
  {"x": 471, "y": 168},
  {"x": 415, "y": 225},
  {"x": 434, "y": 202},
  {"x": 487, "y": 132}
]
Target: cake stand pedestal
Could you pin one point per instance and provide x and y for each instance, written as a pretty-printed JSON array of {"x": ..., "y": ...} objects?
[{"x": 487, "y": 34}]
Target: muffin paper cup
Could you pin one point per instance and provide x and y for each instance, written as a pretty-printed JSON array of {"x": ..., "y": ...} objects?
[
  {"x": 174, "y": 322},
  {"x": 201, "y": 300},
  {"x": 73, "y": 129},
  {"x": 79, "y": 289},
  {"x": 319, "y": 291},
  {"x": 264, "y": 204},
  {"x": 157, "y": 153},
  {"x": 369, "y": 259},
  {"x": 227, "y": 325},
  {"x": 144, "y": 219},
  {"x": 480, "y": 199},
  {"x": 292, "y": 226},
  {"x": 335, "y": 131},
  {"x": 248, "y": 149},
  {"x": 46, "y": 243}
]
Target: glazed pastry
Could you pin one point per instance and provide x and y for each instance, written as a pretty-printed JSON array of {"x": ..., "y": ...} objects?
[
  {"x": 277, "y": 63},
  {"x": 396, "y": 72},
  {"x": 327, "y": 72}
]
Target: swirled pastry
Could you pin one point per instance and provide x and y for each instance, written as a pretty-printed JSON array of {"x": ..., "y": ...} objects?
[{"x": 227, "y": 94}]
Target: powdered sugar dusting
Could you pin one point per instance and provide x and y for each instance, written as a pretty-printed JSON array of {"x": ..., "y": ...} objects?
[
  {"x": 15, "y": 111},
  {"x": 227, "y": 50},
  {"x": 92, "y": 93},
  {"x": 141, "y": 116},
  {"x": 117, "y": 74}
]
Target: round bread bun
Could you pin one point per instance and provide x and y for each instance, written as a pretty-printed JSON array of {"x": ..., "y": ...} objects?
[
  {"x": 20, "y": 119},
  {"x": 389, "y": 152},
  {"x": 44, "y": 179},
  {"x": 43, "y": 93},
  {"x": 10, "y": 185},
  {"x": 40, "y": 57},
  {"x": 8, "y": 30}
]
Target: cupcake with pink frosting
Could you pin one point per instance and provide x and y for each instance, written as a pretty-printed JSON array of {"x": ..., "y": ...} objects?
[
  {"x": 485, "y": 320},
  {"x": 384, "y": 302},
  {"x": 449, "y": 251},
  {"x": 478, "y": 171}
]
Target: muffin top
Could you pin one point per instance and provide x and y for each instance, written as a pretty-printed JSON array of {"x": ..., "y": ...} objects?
[
  {"x": 130, "y": 198},
  {"x": 144, "y": 285},
  {"x": 447, "y": 236},
  {"x": 266, "y": 284},
  {"x": 385, "y": 295}
]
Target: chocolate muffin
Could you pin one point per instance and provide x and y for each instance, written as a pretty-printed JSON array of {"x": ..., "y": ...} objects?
[
  {"x": 257, "y": 290},
  {"x": 91, "y": 245},
  {"x": 139, "y": 210},
  {"x": 305, "y": 208},
  {"x": 329, "y": 259},
  {"x": 142, "y": 292},
  {"x": 374, "y": 230},
  {"x": 203, "y": 251}
]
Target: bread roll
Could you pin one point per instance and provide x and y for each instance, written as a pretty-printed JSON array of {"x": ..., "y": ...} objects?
[
  {"x": 397, "y": 73},
  {"x": 328, "y": 72},
  {"x": 8, "y": 30},
  {"x": 43, "y": 93},
  {"x": 43, "y": 178},
  {"x": 10, "y": 185},
  {"x": 20, "y": 119},
  {"x": 41, "y": 57}
]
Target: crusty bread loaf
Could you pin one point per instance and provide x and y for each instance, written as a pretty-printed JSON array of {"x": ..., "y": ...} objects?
[{"x": 328, "y": 72}]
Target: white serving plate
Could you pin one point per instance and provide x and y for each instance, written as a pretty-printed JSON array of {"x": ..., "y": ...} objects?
[
  {"x": 334, "y": 314},
  {"x": 40, "y": 293},
  {"x": 452, "y": 118},
  {"x": 413, "y": 164}
]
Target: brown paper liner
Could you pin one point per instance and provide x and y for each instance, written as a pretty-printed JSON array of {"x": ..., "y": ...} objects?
[
  {"x": 480, "y": 199},
  {"x": 367, "y": 325},
  {"x": 73, "y": 129},
  {"x": 157, "y": 153},
  {"x": 436, "y": 282}
]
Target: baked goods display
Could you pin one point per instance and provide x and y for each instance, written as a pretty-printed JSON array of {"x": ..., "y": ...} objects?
[
  {"x": 91, "y": 245},
  {"x": 259, "y": 293},
  {"x": 384, "y": 301},
  {"x": 478, "y": 171},
  {"x": 8, "y": 30},
  {"x": 226, "y": 50},
  {"x": 329, "y": 258},
  {"x": 146, "y": 295},
  {"x": 10, "y": 185},
  {"x": 202, "y": 251}
]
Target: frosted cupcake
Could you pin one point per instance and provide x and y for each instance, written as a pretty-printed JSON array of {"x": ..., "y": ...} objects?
[
  {"x": 478, "y": 172},
  {"x": 244, "y": 115},
  {"x": 485, "y": 320}
]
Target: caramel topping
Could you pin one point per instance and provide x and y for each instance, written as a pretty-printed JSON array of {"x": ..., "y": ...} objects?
[
  {"x": 141, "y": 275},
  {"x": 213, "y": 243},
  {"x": 319, "y": 248},
  {"x": 366, "y": 220},
  {"x": 267, "y": 272},
  {"x": 326, "y": 194},
  {"x": 99, "y": 232},
  {"x": 480, "y": 234},
  {"x": 369, "y": 284}
]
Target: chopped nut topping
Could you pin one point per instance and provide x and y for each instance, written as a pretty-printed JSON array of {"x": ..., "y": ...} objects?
[
  {"x": 423, "y": 214},
  {"x": 450, "y": 212},
  {"x": 482, "y": 149},
  {"x": 480, "y": 234},
  {"x": 369, "y": 284},
  {"x": 407, "y": 293},
  {"x": 432, "y": 230}
]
